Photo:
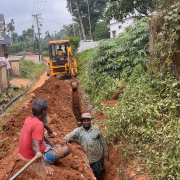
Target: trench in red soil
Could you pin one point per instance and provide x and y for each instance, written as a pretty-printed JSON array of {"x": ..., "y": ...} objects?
[{"x": 64, "y": 104}]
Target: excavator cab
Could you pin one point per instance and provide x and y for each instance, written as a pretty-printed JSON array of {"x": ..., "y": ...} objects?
[{"x": 61, "y": 60}]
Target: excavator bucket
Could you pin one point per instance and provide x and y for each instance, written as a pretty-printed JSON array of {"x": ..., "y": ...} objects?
[{"x": 74, "y": 85}]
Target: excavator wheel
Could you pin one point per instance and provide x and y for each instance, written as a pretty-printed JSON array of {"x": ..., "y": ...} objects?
[{"x": 74, "y": 85}]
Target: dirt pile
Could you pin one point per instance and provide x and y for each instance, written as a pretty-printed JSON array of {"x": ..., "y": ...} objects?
[{"x": 60, "y": 99}]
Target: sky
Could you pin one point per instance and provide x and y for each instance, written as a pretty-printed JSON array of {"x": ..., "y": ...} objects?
[{"x": 21, "y": 11}]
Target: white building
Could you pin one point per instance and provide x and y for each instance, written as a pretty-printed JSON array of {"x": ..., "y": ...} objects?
[{"x": 119, "y": 27}]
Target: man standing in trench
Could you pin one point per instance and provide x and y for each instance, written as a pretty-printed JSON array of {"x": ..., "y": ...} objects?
[
  {"x": 32, "y": 137},
  {"x": 92, "y": 142}
]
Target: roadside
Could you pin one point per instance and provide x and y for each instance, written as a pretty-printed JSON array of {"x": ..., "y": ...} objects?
[{"x": 19, "y": 85}]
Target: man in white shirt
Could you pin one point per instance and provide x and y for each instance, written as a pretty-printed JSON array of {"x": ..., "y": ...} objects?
[{"x": 8, "y": 66}]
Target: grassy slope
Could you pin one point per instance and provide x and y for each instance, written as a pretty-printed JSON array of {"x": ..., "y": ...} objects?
[
  {"x": 35, "y": 69},
  {"x": 147, "y": 116}
]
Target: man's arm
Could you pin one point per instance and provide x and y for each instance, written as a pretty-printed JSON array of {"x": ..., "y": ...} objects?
[
  {"x": 104, "y": 145},
  {"x": 71, "y": 136},
  {"x": 50, "y": 132},
  {"x": 4, "y": 62},
  {"x": 36, "y": 148}
]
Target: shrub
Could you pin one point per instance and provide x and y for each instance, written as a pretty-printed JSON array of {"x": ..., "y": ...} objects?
[{"x": 74, "y": 43}]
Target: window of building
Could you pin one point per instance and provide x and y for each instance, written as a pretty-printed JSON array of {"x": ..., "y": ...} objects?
[{"x": 120, "y": 27}]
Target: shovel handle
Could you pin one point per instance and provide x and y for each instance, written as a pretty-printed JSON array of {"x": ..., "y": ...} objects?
[{"x": 38, "y": 155}]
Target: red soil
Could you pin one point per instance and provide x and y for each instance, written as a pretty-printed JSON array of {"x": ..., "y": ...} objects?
[{"x": 59, "y": 96}]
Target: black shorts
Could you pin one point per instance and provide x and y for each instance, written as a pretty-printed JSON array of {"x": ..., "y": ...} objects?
[{"x": 97, "y": 168}]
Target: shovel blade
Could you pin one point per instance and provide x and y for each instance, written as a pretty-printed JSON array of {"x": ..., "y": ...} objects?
[{"x": 39, "y": 169}]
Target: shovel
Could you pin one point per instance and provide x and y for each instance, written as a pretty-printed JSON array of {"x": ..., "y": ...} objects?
[{"x": 37, "y": 167}]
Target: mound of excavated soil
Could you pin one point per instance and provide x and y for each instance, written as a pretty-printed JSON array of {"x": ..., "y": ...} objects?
[{"x": 59, "y": 96}]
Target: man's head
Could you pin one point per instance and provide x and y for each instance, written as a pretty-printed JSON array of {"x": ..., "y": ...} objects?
[
  {"x": 39, "y": 109},
  {"x": 86, "y": 120},
  {"x": 59, "y": 47},
  {"x": 6, "y": 55}
]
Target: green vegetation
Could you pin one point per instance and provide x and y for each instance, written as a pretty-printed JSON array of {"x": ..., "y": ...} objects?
[
  {"x": 145, "y": 119},
  {"x": 111, "y": 57},
  {"x": 74, "y": 43},
  {"x": 101, "y": 31},
  {"x": 120, "y": 9},
  {"x": 45, "y": 53},
  {"x": 35, "y": 69},
  {"x": 96, "y": 12}
]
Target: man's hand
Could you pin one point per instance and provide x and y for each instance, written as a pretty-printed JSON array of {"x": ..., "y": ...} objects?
[
  {"x": 64, "y": 142},
  {"x": 50, "y": 132},
  {"x": 107, "y": 156},
  {"x": 48, "y": 169}
]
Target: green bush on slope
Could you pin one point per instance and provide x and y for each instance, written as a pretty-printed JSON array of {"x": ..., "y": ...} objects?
[{"x": 146, "y": 118}]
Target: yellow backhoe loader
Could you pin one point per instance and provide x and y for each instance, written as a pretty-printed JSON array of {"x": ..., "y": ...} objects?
[{"x": 62, "y": 61}]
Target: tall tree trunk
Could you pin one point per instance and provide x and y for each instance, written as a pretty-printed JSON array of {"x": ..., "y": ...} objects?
[{"x": 82, "y": 28}]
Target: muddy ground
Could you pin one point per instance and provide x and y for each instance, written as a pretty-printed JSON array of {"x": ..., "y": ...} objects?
[{"x": 64, "y": 108}]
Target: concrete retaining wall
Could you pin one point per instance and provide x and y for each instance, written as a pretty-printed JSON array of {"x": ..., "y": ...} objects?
[
  {"x": 87, "y": 45},
  {"x": 3, "y": 78},
  {"x": 15, "y": 68}
]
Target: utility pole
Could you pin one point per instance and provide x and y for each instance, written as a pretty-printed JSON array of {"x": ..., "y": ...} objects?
[
  {"x": 55, "y": 35},
  {"x": 37, "y": 16}
]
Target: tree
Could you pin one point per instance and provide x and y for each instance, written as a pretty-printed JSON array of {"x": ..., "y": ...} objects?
[
  {"x": 30, "y": 33},
  {"x": 4, "y": 32},
  {"x": 96, "y": 12},
  {"x": 74, "y": 43},
  {"x": 14, "y": 36},
  {"x": 80, "y": 20},
  {"x": 11, "y": 27},
  {"x": 120, "y": 9},
  {"x": 101, "y": 31},
  {"x": 69, "y": 30}
]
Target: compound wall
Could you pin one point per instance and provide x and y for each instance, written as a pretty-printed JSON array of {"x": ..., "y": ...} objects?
[
  {"x": 85, "y": 45},
  {"x": 3, "y": 78}
]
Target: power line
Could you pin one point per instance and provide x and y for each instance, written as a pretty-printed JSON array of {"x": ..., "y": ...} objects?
[
  {"x": 47, "y": 26},
  {"x": 40, "y": 6},
  {"x": 33, "y": 8},
  {"x": 52, "y": 21},
  {"x": 22, "y": 22},
  {"x": 43, "y": 8}
]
